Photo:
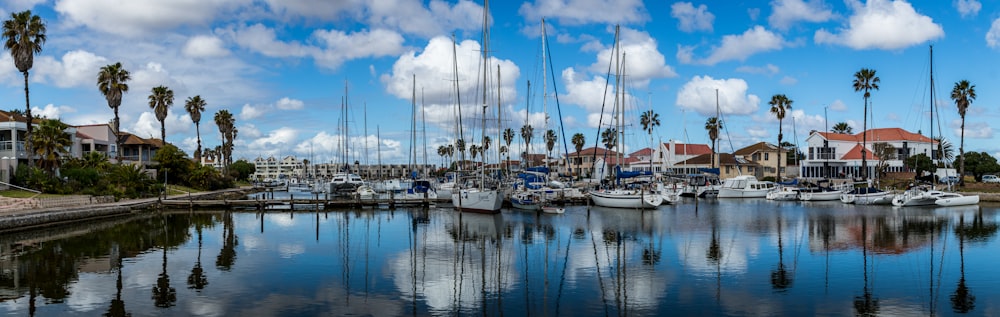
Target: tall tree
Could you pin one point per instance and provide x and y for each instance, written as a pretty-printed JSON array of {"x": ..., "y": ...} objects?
[
  {"x": 610, "y": 138},
  {"x": 713, "y": 125},
  {"x": 51, "y": 143},
  {"x": 578, "y": 141},
  {"x": 24, "y": 35},
  {"x": 112, "y": 81},
  {"x": 550, "y": 141},
  {"x": 650, "y": 120},
  {"x": 227, "y": 129},
  {"x": 527, "y": 131},
  {"x": 195, "y": 106},
  {"x": 508, "y": 136},
  {"x": 865, "y": 80},
  {"x": 779, "y": 104},
  {"x": 160, "y": 101},
  {"x": 963, "y": 94},
  {"x": 842, "y": 128}
]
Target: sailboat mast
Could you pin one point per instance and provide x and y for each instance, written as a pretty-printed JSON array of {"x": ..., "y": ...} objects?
[
  {"x": 458, "y": 101},
  {"x": 413, "y": 124},
  {"x": 423, "y": 129},
  {"x": 486, "y": 62},
  {"x": 932, "y": 103}
]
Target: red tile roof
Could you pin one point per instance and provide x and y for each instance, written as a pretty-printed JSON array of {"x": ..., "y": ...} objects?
[
  {"x": 877, "y": 135},
  {"x": 855, "y": 154},
  {"x": 643, "y": 152},
  {"x": 690, "y": 149}
]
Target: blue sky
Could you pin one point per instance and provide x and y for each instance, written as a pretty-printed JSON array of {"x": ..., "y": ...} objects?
[{"x": 281, "y": 66}]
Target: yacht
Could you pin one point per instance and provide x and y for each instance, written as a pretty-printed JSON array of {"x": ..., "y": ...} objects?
[{"x": 745, "y": 186}]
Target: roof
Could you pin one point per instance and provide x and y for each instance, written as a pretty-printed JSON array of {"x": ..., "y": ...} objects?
[
  {"x": 132, "y": 139},
  {"x": 855, "y": 154},
  {"x": 642, "y": 152},
  {"x": 878, "y": 135},
  {"x": 724, "y": 159},
  {"x": 8, "y": 116},
  {"x": 690, "y": 149},
  {"x": 592, "y": 151},
  {"x": 757, "y": 147}
]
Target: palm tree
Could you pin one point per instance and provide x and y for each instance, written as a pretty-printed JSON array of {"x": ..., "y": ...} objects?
[
  {"x": 946, "y": 150},
  {"x": 51, "y": 143},
  {"x": 473, "y": 150},
  {"x": 963, "y": 94},
  {"x": 508, "y": 136},
  {"x": 486, "y": 146},
  {"x": 713, "y": 125},
  {"x": 649, "y": 120},
  {"x": 550, "y": 141},
  {"x": 227, "y": 129},
  {"x": 527, "y": 131},
  {"x": 865, "y": 80},
  {"x": 779, "y": 103},
  {"x": 195, "y": 106},
  {"x": 442, "y": 151},
  {"x": 842, "y": 128},
  {"x": 609, "y": 137},
  {"x": 160, "y": 100},
  {"x": 112, "y": 81},
  {"x": 24, "y": 34},
  {"x": 578, "y": 141}
]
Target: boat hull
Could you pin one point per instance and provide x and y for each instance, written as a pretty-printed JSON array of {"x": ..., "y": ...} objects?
[
  {"x": 820, "y": 196},
  {"x": 742, "y": 193},
  {"x": 626, "y": 199},
  {"x": 478, "y": 201},
  {"x": 958, "y": 201}
]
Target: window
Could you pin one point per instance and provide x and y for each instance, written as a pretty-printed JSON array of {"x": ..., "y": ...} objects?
[{"x": 766, "y": 156}]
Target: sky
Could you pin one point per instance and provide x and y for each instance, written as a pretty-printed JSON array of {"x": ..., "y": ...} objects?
[{"x": 284, "y": 68}]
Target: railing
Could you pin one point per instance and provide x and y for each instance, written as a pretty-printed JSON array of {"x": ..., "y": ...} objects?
[{"x": 9, "y": 145}]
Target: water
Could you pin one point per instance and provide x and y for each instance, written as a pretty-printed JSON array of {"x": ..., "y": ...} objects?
[{"x": 731, "y": 257}]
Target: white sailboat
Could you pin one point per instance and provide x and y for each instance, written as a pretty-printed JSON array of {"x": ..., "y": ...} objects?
[
  {"x": 476, "y": 197},
  {"x": 639, "y": 196}
]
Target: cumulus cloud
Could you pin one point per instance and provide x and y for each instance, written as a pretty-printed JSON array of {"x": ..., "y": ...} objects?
[
  {"x": 139, "y": 17},
  {"x": 736, "y": 47},
  {"x": 885, "y": 25},
  {"x": 205, "y": 46},
  {"x": 643, "y": 60},
  {"x": 576, "y": 12},
  {"x": 690, "y": 19},
  {"x": 769, "y": 69},
  {"x": 330, "y": 48},
  {"x": 993, "y": 35},
  {"x": 148, "y": 127},
  {"x": 699, "y": 94},
  {"x": 968, "y": 8},
  {"x": 434, "y": 68},
  {"x": 51, "y": 111},
  {"x": 973, "y": 130},
  {"x": 76, "y": 68},
  {"x": 289, "y": 104},
  {"x": 784, "y": 13},
  {"x": 274, "y": 141},
  {"x": 248, "y": 111},
  {"x": 838, "y": 105}
]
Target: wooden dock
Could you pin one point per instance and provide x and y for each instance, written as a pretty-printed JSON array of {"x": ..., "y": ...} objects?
[{"x": 293, "y": 203}]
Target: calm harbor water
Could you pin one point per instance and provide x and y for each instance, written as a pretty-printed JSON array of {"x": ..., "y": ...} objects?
[{"x": 727, "y": 257}]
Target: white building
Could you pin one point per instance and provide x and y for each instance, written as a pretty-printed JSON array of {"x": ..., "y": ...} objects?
[{"x": 839, "y": 155}]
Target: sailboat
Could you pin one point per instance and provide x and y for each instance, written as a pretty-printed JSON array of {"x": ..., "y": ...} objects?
[
  {"x": 929, "y": 195},
  {"x": 475, "y": 196},
  {"x": 638, "y": 196}
]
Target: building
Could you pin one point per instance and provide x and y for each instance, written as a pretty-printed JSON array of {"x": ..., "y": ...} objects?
[
  {"x": 835, "y": 155},
  {"x": 729, "y": 165},
  {"x": 290, "y": 167},
  {"x": 97, "y": 138},
  {"x": 137, "y": 150},
  {"x": 582, "y": 163},
  {"x": 766, "y": 155}
]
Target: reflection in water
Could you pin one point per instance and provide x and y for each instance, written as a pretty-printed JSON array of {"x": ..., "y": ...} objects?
[{"x": 730, "y": 258}]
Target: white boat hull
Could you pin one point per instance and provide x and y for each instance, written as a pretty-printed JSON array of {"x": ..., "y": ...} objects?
[
  {"x": 742, "y": 193},
  {"x": 880, "y": 198},
  {"x": 626, "y": 199},
  {"x": 958, "y": 200},
  {"x": 820, "y": 196},
  {"x": 474, "y": 200}
]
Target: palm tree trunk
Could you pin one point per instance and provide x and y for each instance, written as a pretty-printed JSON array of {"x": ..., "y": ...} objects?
[
  {"x": 778, "y": 179},
  {"x": 197, "y": 152},
  {"x": 118, "y": 145},
  {"x": 163, "y": 132},
  {"x": 27, "y": 112},
  {"x": 961, "y": 153},
  {"x": 864, "y": 144}
]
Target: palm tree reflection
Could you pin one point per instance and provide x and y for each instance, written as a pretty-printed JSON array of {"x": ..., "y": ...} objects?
[
  {"x": 962, "y": 300},
  {"x": 780, "y": 279},
  {"x": 867, "y": 303},
  {"x": 197, "y": 280},
  {"x": 164, "y": 295},
  {"x": 227, "y": 256},
  {"x": 117, "y": 308}
]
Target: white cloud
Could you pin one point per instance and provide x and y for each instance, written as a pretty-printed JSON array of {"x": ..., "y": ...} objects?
[
  {"x": 275, "y": 141},
  {"x": 643, "y": 61},
  {"x": 699, "y": 94},
  {"x": 51, "y": 111},
  {"x": 434, "y": 68},
  {"x": 289, "y": 104},
  {"x": 737, "y": 47},
  {"x": 576, "y": 12},
  {"x": 249, "y": 112},
  {"x": 148, "y": 127},
  {"x": 769, "y": 69},
  {"x": 333, "y": 47},
  {"x": 973, "y": 130},
  {"x": 205, "y": 46},
  {"x": 151, "y": 75},
  {"x": 883, "y": 24},
  {"x": 788, "y": 81},
  {"x": 968, "y": 8},
  {"x": 76, "y": 68},
  {"x": 787, "y": 12},
  {"x": 20, "y": 5},
  {"x": 690, "y": 19},
  {"x": 838, "y": 105},
  {"x": 138, "y": 17},
  {"x": 992, "y": 37},
  {"x": 758, "y": 132}
]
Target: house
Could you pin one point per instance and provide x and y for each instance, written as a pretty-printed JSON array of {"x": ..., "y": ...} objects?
[
  {"x": 667, "y": 158},
  {"x": 137, "y": 150},
  {"x": 730, "y": 165},
  {"x": 840, "y": 155},
  {"x": 766, "y": 155},
  {"x": 582, "y": 163},
  {"x": 97, "y": 138}
]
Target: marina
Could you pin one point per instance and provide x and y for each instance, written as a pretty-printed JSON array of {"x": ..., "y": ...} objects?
[{"x": 739, "y": 257}]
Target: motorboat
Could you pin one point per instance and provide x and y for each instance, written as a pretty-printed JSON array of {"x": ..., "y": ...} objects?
[
  {"x": 924, "y": 196},
  {"x": 526, "y": 200},
  {"x": 745, "y": 186},
  {"x": 626, "y": 198},
  {"x": 822, "y": 193},
  {"x": 784, "y": 193}
]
